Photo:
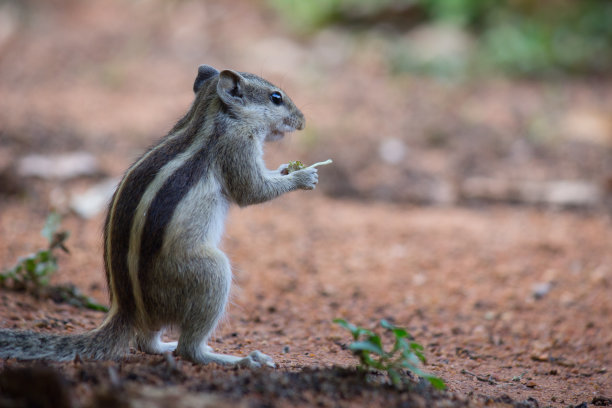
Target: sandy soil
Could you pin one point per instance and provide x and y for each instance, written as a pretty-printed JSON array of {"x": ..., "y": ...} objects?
[{"x": 463, "y": 281}]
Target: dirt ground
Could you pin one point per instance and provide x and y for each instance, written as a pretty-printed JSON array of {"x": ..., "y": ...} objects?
[
  {"x": 463, "y": 281},
  {"x": 510, "y": 295}
]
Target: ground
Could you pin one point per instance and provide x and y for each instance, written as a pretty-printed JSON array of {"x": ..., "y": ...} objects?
[
  {"x": 509, "y": 293},
  {"x": 463, "y": 281}
]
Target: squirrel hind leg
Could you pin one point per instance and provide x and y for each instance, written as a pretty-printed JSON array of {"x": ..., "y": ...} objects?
[
  {"x": 151, "y": 342},
  {"x": 210, "y": 285},
  {"x": 192, "y": 346}
]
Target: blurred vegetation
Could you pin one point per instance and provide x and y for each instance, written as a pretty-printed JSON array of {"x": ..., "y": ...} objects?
[
  {"x": 32, "y": 272},
  {"x": 521, "y": 37}
]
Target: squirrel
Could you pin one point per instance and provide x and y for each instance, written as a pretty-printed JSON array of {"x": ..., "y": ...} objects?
[{"x": 165, "y": 221}]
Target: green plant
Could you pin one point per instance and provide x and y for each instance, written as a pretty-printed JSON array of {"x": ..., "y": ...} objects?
[
  {"x": 32, "y": 272},
  {"x": 405, "y": 354}
]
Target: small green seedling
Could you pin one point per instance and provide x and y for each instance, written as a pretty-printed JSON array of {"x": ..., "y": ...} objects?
[
  {"x": 405, "y": 354},
  {"x": 32, "y": 272}
]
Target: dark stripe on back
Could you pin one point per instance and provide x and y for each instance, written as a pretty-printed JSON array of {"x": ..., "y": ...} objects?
[
  {"x": 168, "y": 198},
  {"x": 133, "y": 187}
]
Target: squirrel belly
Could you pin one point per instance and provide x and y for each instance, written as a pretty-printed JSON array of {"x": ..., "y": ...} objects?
[{"x": 166, "y": 219}]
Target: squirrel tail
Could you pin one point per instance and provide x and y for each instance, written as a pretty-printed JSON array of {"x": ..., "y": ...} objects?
[{"x": 109, "y": 341}]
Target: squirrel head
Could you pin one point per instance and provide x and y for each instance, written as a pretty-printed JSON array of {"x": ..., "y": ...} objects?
[{"x": 255, "y": 101}]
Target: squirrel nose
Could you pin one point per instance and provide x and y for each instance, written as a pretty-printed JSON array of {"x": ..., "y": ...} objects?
[{"x": 301, "y": 121}]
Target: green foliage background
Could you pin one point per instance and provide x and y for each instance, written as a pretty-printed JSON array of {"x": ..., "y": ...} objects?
[{"x": 520, "y": 37}]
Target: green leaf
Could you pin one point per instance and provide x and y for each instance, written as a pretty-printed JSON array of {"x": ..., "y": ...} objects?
[
  {"x": 413, "y": 358},
  {"x": 400, "y": 344},
  {"x": 375, "y": 339},
  {"x": 364, "y": 332},
  {"x": 367, "y": 361},
  {"x": 366, "y": 346},
  {"x": 436, "y": 382},
  {"x": 355, "y": 330},
  {"x": 30, "y": 264},
  {"x": 399, "y": 332},
  {"x": 349, "y": 326},
  {"x": 420, "y": 356},
  {"x": 43, "y": 255},
  {"x": 416, "y": 346},
  {"x": 386, "y": 325}
]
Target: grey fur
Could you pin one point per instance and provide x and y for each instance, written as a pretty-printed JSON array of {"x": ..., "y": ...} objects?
[{"x": 173, "y": 273}]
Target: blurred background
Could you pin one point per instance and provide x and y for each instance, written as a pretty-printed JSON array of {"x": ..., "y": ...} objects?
[
  {"x": 442, "y": 102},
  {"x": 435, "y": 103}
]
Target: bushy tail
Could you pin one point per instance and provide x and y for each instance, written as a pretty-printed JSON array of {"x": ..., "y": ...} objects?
[{"x": 109, "y": 341}]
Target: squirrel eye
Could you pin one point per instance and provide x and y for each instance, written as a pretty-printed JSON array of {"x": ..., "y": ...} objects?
[{"x": 276, "y": 98}]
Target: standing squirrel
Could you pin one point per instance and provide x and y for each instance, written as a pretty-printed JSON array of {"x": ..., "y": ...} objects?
[{"x": 165, "y": 221}]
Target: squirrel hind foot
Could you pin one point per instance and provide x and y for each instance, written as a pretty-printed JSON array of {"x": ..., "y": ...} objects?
[
  {"x": 255, "y": 359},
  {"x": 203, "y": 354}
]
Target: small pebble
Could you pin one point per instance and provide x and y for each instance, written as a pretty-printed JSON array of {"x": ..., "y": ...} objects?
[{"x": 539, "y": 290}]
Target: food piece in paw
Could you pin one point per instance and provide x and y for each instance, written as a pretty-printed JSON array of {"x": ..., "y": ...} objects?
[
  {"x": 295, "y": 166},
  {"x": 298, "y": 165}
]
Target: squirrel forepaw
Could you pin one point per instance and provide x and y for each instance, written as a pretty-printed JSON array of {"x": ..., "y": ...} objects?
[{"x": 307, "y": 178}]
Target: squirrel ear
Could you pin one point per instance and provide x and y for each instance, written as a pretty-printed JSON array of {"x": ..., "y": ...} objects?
[
  {"x": 205, "y": 72},
  {"x": 230, "y": 86}
]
